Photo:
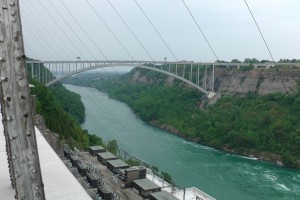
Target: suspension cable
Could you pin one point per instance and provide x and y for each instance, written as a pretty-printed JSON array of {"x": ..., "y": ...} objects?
[
  {"x": 72, "y": 30},
  {"x": 156, "y": 30},
  {"x": 83, "y": 30},
  {"x": 134, "y": 35},
  {"x": 61, "y": 41},
  {"x": 119, "y": 41},
  {"x": 210, "y": 46},
  {"x": 37, "y": 37},
  {"x": 61, "y": 30},
  {"x": 266, "y": 46}
]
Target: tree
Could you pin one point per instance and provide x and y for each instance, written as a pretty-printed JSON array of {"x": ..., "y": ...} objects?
[
  {"x": 247, "y": 60},
  {"x": 236, "y": 61},
  {"x": 265, "y": 61},
  {"x": 167, "y": 177},
  {"x": 112, "y": 146},
  {"x": 251, "y": 61}
]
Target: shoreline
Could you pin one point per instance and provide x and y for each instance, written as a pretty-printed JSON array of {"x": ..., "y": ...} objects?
[{"x": 254, "y": 155}]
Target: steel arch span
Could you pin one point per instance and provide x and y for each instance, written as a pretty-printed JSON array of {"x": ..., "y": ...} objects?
[
  {"x": 184, "y": 71},
  {"x": 137, "y": 66}
]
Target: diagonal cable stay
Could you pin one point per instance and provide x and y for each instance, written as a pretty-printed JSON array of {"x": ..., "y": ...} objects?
[
  {"x": 44, "y": 24},
  {"x": 72, "y": 30},
  {"x": 119, "y": 41},
  {"x": 156, "y": 30},
  {"x": 134, "y": 35},
  {"x": 89, "y": 37},
  {"x": 210, "y": 46},
  {"x": 66, "y": 35},
  {"x": 266, "y": 46}
]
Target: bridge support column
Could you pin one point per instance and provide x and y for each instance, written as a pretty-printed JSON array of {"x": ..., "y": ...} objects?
[
  {"x": 56, "y": 69},
  {"x": 31, "y": 70},
  {"x": 198, "y": 78},
  {"x": 39, "y": 79},
  {"x": 191, "y": 77},
  {"x": 205, "y": 78},
  {"x": 48, "y": 73},
  {"x": 213, "y": 79}
]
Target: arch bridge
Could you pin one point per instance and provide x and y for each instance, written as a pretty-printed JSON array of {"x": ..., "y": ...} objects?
[{"x": 196, "y": 74}]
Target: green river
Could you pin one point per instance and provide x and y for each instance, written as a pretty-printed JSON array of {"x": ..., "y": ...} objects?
[{"x": 221, "y": 175}]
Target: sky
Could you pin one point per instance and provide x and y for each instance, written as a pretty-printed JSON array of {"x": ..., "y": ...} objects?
[{"x": 51, "y": 33}]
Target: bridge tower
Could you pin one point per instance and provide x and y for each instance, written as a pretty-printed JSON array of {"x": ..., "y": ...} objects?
[{"x": 16, "y": 110}]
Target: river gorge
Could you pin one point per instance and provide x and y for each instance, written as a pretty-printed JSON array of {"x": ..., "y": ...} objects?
[{"x": 221, "y": 175}]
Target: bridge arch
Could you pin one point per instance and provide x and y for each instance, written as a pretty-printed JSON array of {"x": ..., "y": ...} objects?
[{"x": 64, "y": 76}]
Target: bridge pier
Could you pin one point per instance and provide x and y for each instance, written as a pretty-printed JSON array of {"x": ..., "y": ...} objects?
[
  {"x": 205, "y": 78},
  {"x": 198, "y": 77},
  {"x": 191, "y": 77},
  {"x": 213, "y": 79}
]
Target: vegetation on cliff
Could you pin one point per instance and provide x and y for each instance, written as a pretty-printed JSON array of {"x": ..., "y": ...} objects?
[
  {"x": 54, "y": 109},
  {"x": 69, "y": 101}
]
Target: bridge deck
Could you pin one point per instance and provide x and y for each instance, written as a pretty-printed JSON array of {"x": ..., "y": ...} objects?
[{"x": 59, "y": 183}]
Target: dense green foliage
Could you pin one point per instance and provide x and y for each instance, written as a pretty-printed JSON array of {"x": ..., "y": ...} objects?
[
  {"x": 69, "y": 101},
  {"x": 112, "y": 146},
  {"x": 59, "y": 121},
  {"x": 248, "y": 124},
  {"x": 61, "y": 109},
  {"x": 167, "y": 177}
]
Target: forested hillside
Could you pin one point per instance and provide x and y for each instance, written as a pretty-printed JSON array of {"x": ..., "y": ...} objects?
[
  {"x": 61, "y": 109},
  {"x": 263, "y": 126},
  {"x": 59, "y": 120},
  {"x": 69, "y": 101}
]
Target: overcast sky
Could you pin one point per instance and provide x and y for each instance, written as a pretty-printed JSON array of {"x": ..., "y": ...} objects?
[{"x": 226, "y": 23}]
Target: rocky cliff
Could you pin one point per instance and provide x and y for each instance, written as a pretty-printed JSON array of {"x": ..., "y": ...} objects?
[{"x": 259, "y": 81}]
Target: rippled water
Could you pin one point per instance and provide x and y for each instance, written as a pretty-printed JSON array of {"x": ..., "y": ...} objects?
[{"x": 222, "y": 175}]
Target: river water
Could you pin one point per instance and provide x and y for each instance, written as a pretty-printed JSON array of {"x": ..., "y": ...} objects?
[{"x": 217, "y": 173}]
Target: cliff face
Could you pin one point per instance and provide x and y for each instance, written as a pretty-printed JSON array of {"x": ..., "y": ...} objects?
[{"x": 259, "y": 81}]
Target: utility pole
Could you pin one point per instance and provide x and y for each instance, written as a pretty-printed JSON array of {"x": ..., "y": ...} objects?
[{"x": 16, "y": 107}]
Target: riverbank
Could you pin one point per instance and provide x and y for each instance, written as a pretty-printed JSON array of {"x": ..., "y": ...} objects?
[
  {"x": 265, "y": 126},
  {"x": 250, "y": 153},
  {"x": 190, "y": 164}
]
